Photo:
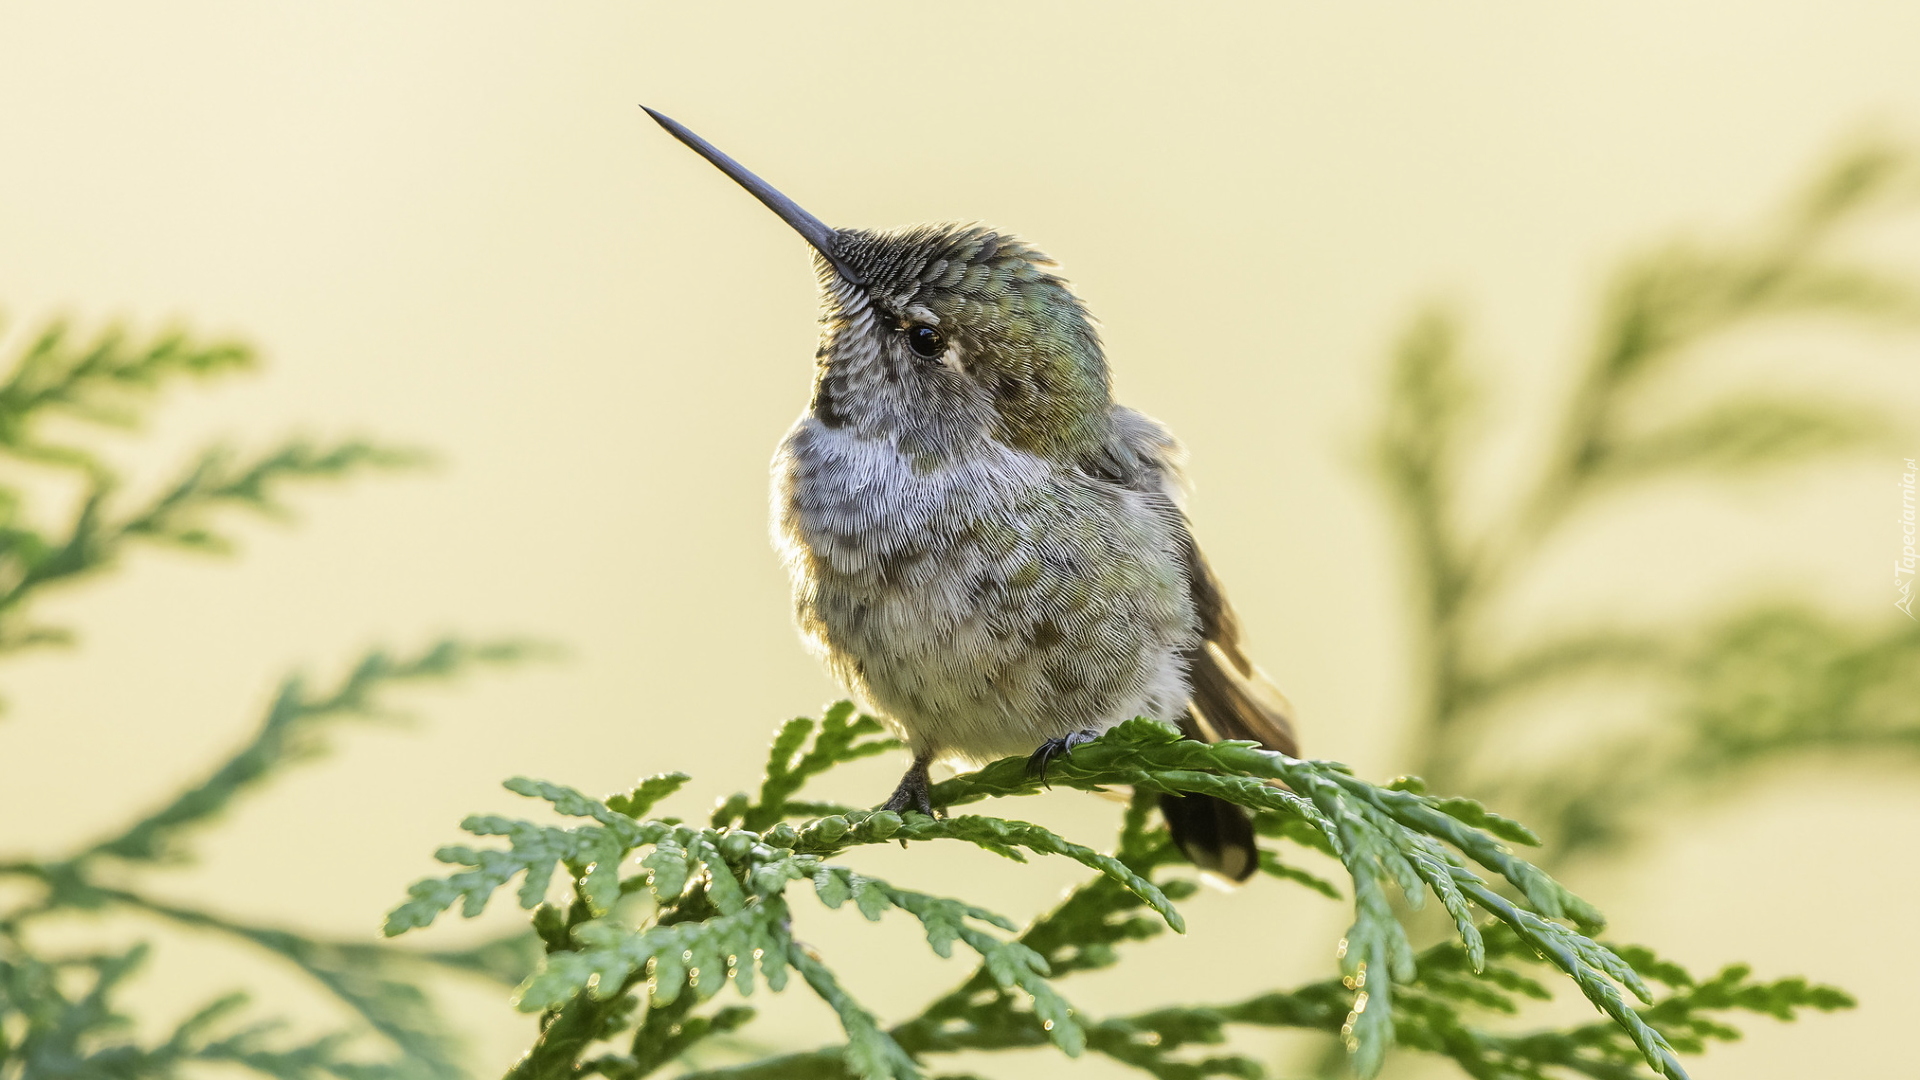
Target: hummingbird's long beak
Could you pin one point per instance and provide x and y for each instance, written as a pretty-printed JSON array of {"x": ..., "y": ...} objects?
[{"x": 817, "y": 232}]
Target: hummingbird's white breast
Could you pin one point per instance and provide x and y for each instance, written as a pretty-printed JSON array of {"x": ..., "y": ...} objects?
[{"x": 986, "y": 602}]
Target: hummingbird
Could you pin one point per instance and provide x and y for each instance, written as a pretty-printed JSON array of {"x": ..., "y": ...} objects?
[{"x": 986, "y": 549}]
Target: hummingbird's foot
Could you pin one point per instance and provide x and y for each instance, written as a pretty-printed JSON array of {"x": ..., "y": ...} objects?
[
  {"x": 1056, "y": 748},
  {"x": 914, "y": 791}
]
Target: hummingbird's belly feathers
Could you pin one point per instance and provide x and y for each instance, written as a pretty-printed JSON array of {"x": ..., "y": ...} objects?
[{"x": 985, "y": 604}]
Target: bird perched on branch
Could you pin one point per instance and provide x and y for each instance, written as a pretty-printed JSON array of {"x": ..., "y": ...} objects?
[{"x": 984, "y": 546}]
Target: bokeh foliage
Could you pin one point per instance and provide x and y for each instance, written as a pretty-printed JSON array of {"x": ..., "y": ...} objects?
[
  {"x": 1726, "y": 690},
  {"x": 59, "y": 1015}
]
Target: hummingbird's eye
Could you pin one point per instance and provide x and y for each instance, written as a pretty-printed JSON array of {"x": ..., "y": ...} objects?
[{"x": 925, "y": 341}]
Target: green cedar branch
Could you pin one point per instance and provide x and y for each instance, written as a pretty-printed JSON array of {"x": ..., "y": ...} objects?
[
  {"x": 180, "y": 516},
  {"x": 1385, "y": 836},
  {"x": 104, "y": 381},
  {"x": 1438, "y": 1015},
  {"x": 838, "y": 738},
  {"x": 294, "y": 731}
]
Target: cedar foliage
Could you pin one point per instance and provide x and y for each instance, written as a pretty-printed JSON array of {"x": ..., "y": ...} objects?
[
  {"x": 58, "y": 1010},
  {"x": 633, "y": 960},
  {"x": 1738, "y": 685},
  {"x": 641, "y": 922}
]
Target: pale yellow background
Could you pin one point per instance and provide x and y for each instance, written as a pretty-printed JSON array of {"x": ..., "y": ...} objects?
[{"x": 449, "y": 224}]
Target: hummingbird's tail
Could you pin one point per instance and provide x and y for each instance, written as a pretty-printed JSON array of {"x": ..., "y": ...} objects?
[
  {"x": 1231, "y": 699},
  {"x": 1213, "y": 834}
]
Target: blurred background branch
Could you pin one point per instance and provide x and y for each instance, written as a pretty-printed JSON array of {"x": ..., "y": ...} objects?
[
  {"x": 58, "y": 1011},
  {"x": 1744, "y": 683}
]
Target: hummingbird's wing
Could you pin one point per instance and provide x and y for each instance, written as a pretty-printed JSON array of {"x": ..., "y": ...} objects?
[{"x": 1230, "y": 698}]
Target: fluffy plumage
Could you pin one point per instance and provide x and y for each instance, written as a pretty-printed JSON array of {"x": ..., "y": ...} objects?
[{"x": 983, "y": 545}]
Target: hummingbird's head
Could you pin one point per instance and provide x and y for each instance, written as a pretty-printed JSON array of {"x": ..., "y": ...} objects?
[
  {"x": 962, "y": 325},
  {"x": 942, "y": 335}
]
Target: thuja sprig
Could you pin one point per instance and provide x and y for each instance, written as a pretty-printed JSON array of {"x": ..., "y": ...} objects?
[
  {"x": 1624, "y": 424},
  {"x": 108, "y": 380},
  {"x": 707, "y": 907},
  {"x": 59, "y": 1015},
  {"x": 376, "y": 983},
  {"x": 111, "y": 381}
]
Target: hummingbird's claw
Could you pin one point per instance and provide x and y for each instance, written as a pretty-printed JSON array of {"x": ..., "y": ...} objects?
[
  {"x": 1056, "y": 748},
  {"x": 914, "y": 792}
]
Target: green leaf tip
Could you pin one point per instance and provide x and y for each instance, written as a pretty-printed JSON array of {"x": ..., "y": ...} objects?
[{"x": 637, "y": 802}]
